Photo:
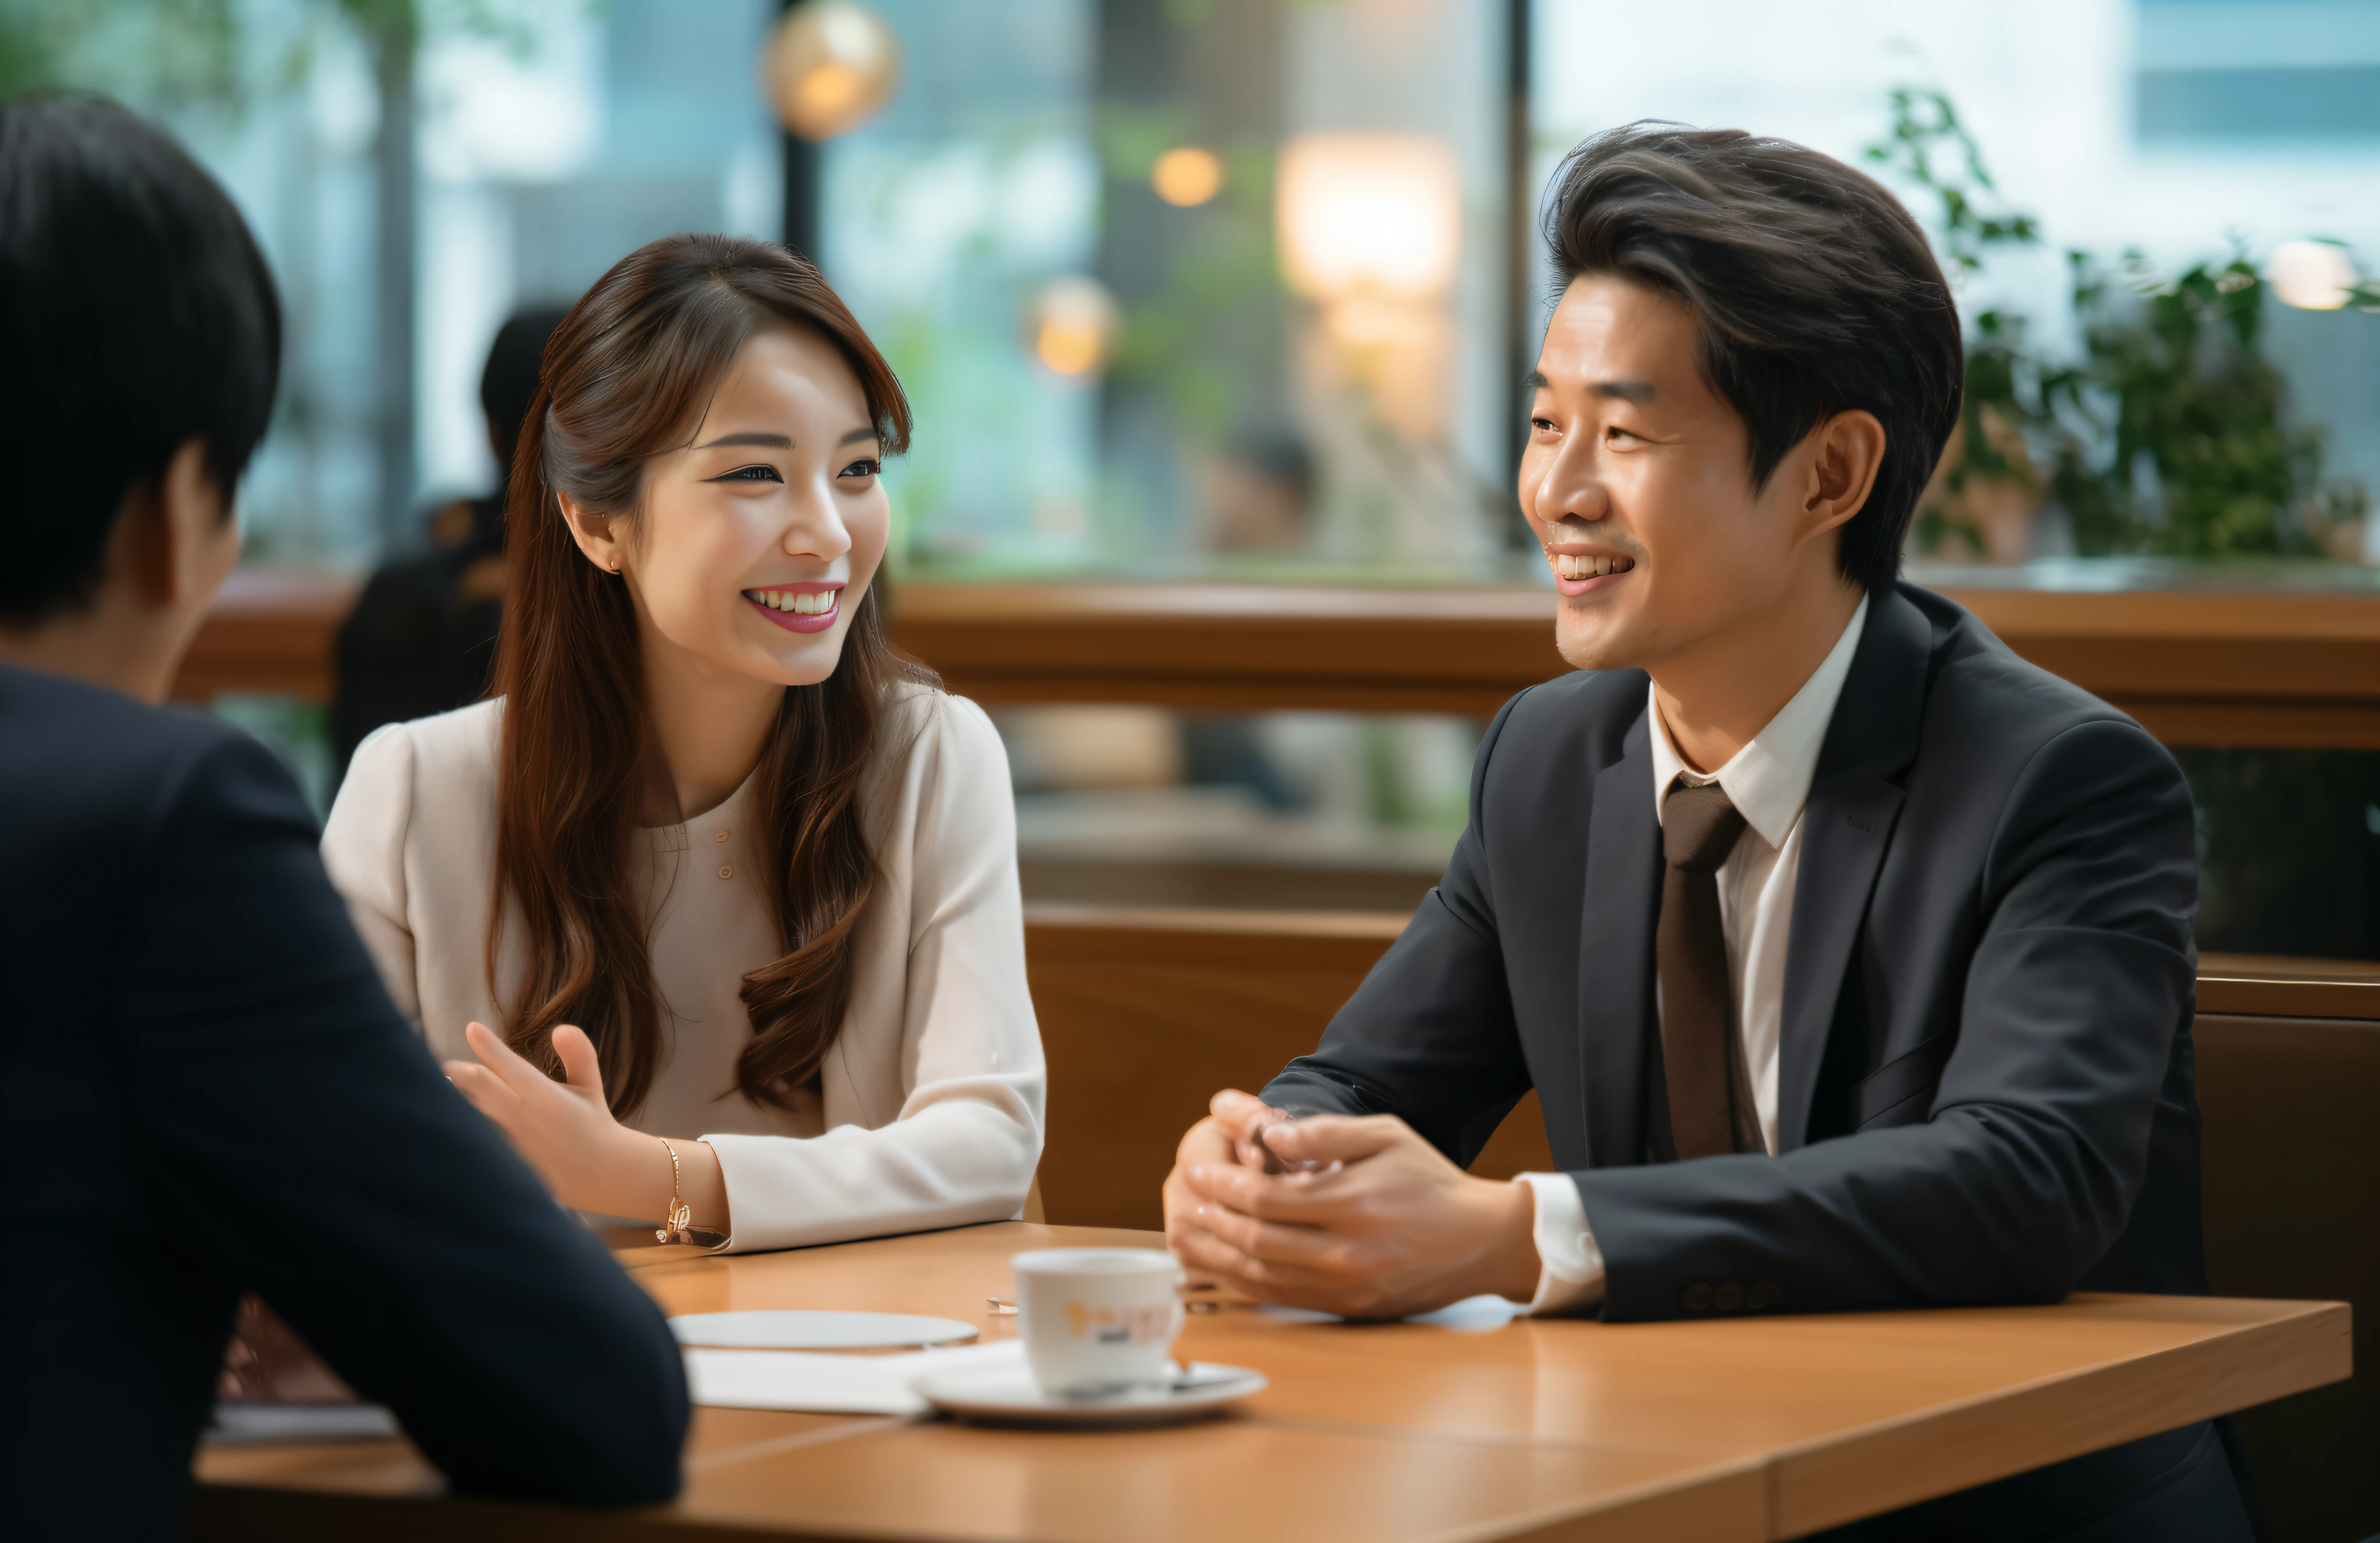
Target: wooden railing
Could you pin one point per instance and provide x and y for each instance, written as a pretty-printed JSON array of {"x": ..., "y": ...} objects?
[
  {"x": 2301, "y": 671},
  {"x": 2196, "y": 667},
  {"x": 269, "y": 631}
]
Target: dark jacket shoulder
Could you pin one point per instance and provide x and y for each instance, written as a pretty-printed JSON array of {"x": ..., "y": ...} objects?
[
  {"x": 98, "y": 763},
  {"x": 1975, "y": 678}
]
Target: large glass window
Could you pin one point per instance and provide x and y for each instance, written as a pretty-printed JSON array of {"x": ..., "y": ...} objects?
[
  {"x": 1243, "y": 290},
  {"x": 2146, "y": 140},
  {"x": 416, "y": 170},
  {"x": 1215, "y": 287}
]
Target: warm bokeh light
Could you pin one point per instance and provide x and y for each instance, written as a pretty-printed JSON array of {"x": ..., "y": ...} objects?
[
  {"x": 1187, "y": 175},
  {"x": 2311, "y": 275},
  {"x": 1068, "y": 348},
  {"x": 1071, "y": 326},
  {"x": 829, "y": 66},
  {"x": 1369, "y": 214}
]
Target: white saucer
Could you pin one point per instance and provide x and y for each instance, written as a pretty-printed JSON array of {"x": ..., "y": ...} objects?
[
  {"x": 810, "y": 1331},
  {"x": 1008, "y": 1395}
]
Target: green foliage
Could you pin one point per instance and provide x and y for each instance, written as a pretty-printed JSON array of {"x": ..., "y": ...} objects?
[
  {"x": 1929, "y": 146},
  {"x": 1926, "y": 131},
  {"x": 174, "y": 55},
  {"x": 161, "y": 53},
  {"x": 1214, "y": 325},
  {"x": 2167, "y": 435}
]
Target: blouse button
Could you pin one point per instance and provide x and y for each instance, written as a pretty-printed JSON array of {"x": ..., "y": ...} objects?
[
  {"x": 721, "y": 836},
  {"x": 726, "y": 872}
]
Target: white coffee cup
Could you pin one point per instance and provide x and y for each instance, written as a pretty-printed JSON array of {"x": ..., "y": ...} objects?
[{"x": 1098, "y": 1320}]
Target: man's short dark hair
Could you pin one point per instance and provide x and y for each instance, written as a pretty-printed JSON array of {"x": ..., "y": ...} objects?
[
  {"x": 509, "y": 382},
  {"x": 1815, "y": 291},
  {"x": 136, "y": 314}
]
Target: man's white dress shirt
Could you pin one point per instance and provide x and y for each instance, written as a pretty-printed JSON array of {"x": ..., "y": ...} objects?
[{"x": 1768, "y": 782}]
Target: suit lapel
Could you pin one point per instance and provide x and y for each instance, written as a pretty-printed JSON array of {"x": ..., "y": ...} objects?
[
  {"x": 1854, "y": 798},
  {"x": 1615, "y": 953}
]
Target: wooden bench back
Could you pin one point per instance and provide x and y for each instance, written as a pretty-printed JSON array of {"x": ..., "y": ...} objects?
[{"x": 1145, "y": 1013}]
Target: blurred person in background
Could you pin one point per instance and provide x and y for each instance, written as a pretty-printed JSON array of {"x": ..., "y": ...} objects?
[
  {"x": 197, "y": 1055},
  {"x": 1259, "y": 503},
  {"x": 1260, "y": 495},
  {"x": 422, "y": 637},
  {"x": 740, "y": 874}
]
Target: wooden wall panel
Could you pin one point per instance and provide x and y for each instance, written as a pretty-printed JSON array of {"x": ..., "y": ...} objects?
[
  {"x": 2291, "y": 1154},
  {"x": 1145, "y": 1014}
]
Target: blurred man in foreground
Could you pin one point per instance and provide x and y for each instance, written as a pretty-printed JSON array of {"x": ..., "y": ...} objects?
[{"x": 210, "y": 1091}]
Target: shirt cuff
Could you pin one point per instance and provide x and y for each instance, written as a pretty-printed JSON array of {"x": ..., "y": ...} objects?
[{"x": 1570, "y": 1276}]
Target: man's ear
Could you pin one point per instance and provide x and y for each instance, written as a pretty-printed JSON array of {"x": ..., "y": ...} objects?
[
  {"x": 200, "y": 538},
  {"x": 594, "y": 533},
  {"x": 1847, "y": 452},
  {"x": 167, "y": 530},
  {"x": 140, "y": 549}
]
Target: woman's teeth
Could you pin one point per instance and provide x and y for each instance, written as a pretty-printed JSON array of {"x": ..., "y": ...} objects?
[
  {"x": 817, "y": 603},
  {"x": 1573, "y": 565}
]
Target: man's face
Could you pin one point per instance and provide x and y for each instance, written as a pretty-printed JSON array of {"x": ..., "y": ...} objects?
[{"x": 1638, "y": 481}]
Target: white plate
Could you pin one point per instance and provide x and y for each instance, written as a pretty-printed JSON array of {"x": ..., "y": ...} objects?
[
  {"x": 1008, "y": 1395},
  {"x": 807, "y": 1331},
  {"x": 1473, "y": 1315}
]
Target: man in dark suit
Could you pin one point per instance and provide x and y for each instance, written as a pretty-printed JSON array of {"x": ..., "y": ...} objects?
[
  {"x": 1849, "y": 954},
  {"x": 208, "y": 1090}
]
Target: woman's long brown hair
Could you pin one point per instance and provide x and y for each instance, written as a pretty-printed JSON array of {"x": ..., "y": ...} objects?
[{"x": 627, "y": 376}]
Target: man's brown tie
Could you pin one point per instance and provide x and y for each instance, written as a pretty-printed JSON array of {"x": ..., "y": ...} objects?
[{"x": 1698, "y": 829}]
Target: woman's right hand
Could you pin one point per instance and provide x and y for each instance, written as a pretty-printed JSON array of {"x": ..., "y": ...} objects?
[
  {"x": 565, "y": 1129},
  {"x": 265, "y": 1361}
]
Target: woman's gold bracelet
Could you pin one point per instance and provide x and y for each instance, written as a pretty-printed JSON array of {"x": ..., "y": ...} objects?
[{"x": 679, "y": 1228}]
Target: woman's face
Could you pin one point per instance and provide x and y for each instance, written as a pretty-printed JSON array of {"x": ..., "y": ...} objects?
[{"x": 756, "y": 542}]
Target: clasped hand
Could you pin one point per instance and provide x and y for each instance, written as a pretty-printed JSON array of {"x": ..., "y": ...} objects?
[{"x": 1370, "y": 1221}]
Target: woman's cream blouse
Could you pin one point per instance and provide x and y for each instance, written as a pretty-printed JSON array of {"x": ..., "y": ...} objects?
[{"x": 928, "y": 1109}]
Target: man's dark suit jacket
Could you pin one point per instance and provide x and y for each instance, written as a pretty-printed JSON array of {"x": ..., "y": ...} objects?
[
  {"x": 1985, "y": 1086},
  {"x": 208, "y": 1093}
]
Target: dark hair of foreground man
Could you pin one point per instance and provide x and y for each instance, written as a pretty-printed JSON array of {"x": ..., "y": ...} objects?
[{"x": 210, "y": 1091}]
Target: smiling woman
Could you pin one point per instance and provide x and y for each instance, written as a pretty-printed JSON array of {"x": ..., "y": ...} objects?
[{"x": 741, "y": 875}]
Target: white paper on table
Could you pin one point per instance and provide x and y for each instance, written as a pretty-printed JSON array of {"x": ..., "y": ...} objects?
[
  {"x": 236, "y": 1424},
  {"x": 822, "y": 1383}
]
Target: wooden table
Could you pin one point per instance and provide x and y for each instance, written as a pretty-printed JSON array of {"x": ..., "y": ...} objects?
[{"x": 1749, "y": 1428}]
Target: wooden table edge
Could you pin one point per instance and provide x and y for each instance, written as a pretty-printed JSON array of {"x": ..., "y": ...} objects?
[
  {"x": 264, "y": 1514},
  {"x": 1901, "y": 1459},
  {"x": 1675, "y": 1508}
]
